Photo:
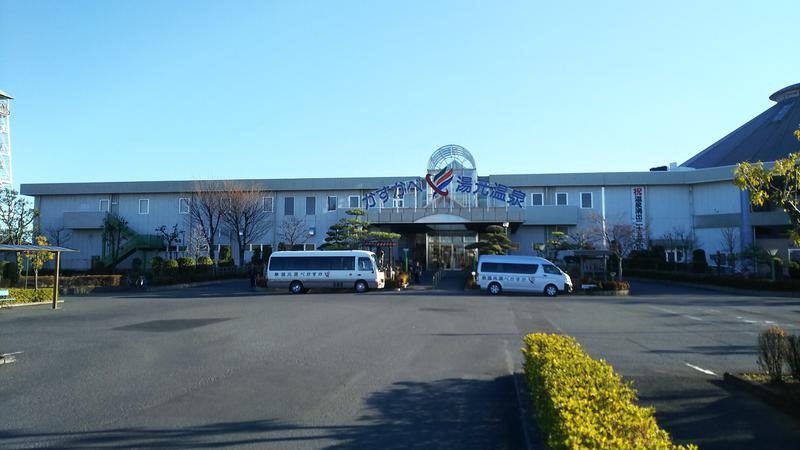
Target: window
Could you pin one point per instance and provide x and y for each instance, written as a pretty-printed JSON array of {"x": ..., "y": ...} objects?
[
  {"x": 288, "y": 206},
  {"x": 144, "y": 206},
  {"x": 586, "y": 200},
  {"x": 355, "y": 201},
  {"x": 675, "y": 255},
  {"x": 537, "y": 199},
  {"x": 508, "y": 268},
  {"x": 313, "y": 263},
  {"x": 267, "y": 202},
  {"x": 398, "y": 202},
  {"x": 552, "y": 270},
  {"x": 309, "y": 246},
  {"x": 332, "y": 203},
  {"x": 311, "y": 206},
  {"x": 183, "y": 206},
  {"x": 364, "y": 264},
  {"x": 561, "y": 198},
  {"x": 105, "y": 204}
]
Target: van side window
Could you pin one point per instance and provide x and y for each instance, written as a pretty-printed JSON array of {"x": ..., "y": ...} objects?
[
  {"x": 364, "y": 264},
  {"x": 509, "y": 268},
  {"x": 552, "y": 270}
]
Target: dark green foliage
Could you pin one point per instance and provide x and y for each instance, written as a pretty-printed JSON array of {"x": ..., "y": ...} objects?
[
  {"x": 699, "y": 263},
  {"x": 170, "y": 266},
  {"x": 256, "y": 257},
  {"x": 225, "y": 255},
  {"x": 186, "y": 261},
  {"x": 10, "y": 273},
  {"x": 115, "y": 231},
  {"x": 494, "y": 242},
  {"x": 794, "y": 270},
  {"x": 352, "y": 233},
  {"x": 156, "y": 264}
]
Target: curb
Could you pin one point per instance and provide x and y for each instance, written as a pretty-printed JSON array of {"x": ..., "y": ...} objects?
[
  {"x": 168, "y": 287},
  {"x": 16, "y": 305},
  {"x": 773, "y": 399},
  {"x": 723, "y": 289}
]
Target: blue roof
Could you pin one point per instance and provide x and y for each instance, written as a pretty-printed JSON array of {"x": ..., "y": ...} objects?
[{"x": 767, "y": 137}]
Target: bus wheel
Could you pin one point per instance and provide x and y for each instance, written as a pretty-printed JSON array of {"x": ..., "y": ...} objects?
[
  {"x": 494, "y": 288},
  {"x": 361, "y": 286},
  {"x": 551, "y": 290},
  {"x": 296, "y": 287}
]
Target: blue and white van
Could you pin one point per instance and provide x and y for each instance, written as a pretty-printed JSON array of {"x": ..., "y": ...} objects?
[{"x": 499, "y": 273}]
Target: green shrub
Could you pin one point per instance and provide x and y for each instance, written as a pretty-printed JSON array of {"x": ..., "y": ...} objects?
[
  {"x": 771, "y": 352},
  {"x": 205, "y": 261},
  {"x": 78, "y": 280},
  {"x": 793, "y": 355},
  {"x": 170, "y": 265},
  {"x": 186, "y": 261},
  {"x": 582, "y": 403},
  {"x": 157, "y": 264}
]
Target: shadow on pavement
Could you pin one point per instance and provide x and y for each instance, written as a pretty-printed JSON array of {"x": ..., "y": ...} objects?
[
  {"x": 707, "y": 413},
  {"x": 450, "y": 413}
]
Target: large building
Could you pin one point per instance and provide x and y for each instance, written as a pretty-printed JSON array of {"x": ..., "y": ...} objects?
[{"x": 445, "y": 208}]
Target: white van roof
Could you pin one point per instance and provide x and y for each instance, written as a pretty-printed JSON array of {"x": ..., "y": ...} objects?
[
  {"x": 299, "y": 253},
  {"x": 513, "y": 259}
]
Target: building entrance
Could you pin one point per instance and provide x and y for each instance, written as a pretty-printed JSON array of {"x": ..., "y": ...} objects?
[{"x": 446, "y": 250}]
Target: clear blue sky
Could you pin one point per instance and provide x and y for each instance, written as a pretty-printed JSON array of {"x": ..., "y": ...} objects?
[{"x": 136, "y": 90}]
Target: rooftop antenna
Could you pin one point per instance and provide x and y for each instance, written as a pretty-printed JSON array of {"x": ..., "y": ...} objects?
[{"x": 6, "y": 174}]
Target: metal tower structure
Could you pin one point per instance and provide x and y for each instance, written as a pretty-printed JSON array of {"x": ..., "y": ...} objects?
[{"x": 6, "y": 174}]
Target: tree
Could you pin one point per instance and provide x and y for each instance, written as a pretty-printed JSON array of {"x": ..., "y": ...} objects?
[
  {"x": 169, "y": 236},
  {"x": 680, "y": 239},
  {"x": 729, "y": 243},
  {"x": 619, "y": 237},
  {"x": 205, "y": 214},
  {"x": 778, "y": 185},
  {"x": 38, "y": 258},
  {"x": 18, "y": 220},
  {"x": 293, "y": 231},
  {"x": 115, "y": 230},
  {"x": 58, "y": 235},
  {"x": 494, "y": 242},
  {"x": 353, "y": 233},
  {"x": 244, "y": 215}
]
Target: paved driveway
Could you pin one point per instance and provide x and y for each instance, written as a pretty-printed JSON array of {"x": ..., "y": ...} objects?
[{"x": 222, "y": 366}]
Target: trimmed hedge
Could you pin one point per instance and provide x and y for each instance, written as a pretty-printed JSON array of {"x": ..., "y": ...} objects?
[
  {"x": 74, "y": 281},
  {"x": 582, "y": 403},
  {"x": 28, "y": 296}
]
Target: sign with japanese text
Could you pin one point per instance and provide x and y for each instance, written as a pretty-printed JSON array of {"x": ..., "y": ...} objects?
[{"x": 637, "y": 195}]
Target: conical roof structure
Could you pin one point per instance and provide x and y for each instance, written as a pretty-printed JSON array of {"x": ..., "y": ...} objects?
[{"x": 767, "y": 137}]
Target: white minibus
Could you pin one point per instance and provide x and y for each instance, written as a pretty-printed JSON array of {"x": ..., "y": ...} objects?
[
  {"x": 303, "y": 270},
  {"x": 498, "y": 273}
]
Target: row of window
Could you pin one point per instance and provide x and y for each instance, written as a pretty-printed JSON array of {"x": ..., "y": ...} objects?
[
  {"x": 354, "y": 201},
  {"x": 562, "y": 198},
  {"x": 319, "y": 263}
]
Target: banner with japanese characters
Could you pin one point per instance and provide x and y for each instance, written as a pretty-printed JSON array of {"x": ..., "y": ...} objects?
[{"x": 439, "y": 184}]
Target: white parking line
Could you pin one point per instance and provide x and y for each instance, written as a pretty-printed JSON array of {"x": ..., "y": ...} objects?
[
  {"x": 700, "y": 369},
  {"x": 693, "y": 318}
]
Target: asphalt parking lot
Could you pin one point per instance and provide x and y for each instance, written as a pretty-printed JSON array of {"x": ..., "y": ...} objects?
[{"x": 222, "y": 366}]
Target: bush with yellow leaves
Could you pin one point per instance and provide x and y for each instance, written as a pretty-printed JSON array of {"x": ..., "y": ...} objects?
[{"x": 581, "y": 403}]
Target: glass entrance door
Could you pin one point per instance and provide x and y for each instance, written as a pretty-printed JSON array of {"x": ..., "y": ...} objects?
[{"x": 446, "y": 250}]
